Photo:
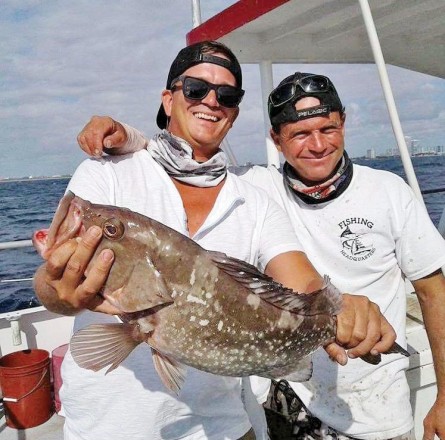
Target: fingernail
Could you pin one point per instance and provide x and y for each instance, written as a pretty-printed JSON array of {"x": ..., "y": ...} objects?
[
  {"x": 108, "y": 143},
  {"x": 352, "y": 355},
  {"x": 107, "y": 255},
  {"x": 97, "y": 152},
  {"x": 342, "y": 359}
]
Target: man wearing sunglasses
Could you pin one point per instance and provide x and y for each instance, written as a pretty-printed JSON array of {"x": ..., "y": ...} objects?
[
  {"x": 181, "y": 179},
  {"x": 366, "y": 229}
]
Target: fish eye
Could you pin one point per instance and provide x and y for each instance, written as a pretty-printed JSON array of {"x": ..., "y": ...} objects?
[{"x": 113, "y": 229}]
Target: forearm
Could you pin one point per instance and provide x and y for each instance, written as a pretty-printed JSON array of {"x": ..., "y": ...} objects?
[
  {"x": 431, "y": 294},
  {"x": 48, "y": 295},
  {"x": 295, "y": 271}
]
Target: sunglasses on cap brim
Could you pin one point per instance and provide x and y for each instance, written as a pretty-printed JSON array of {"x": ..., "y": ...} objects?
[
  {"x": 308, "y": 84},
  {"x": 197, "y": 89}
]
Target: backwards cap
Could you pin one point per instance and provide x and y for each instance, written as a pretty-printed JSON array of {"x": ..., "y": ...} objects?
[
  {"x": 329, "y": 100},
  {"x": 202, "y": 52}
]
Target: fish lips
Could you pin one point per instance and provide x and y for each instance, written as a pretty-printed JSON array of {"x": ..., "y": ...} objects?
[{"x": 66, "y": 224}]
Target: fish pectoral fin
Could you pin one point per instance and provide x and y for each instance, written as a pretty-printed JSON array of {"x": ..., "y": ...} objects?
[
  {"x": 101, "y": 345},
  {"x": 302, "y": 371},
  {"x": 327, "y": 300},
  {"x": 170, "y": 372},
  {"x": 144, "y": 278}
]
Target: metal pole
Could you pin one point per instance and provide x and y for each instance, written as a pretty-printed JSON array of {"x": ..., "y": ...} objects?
[
  {"x": 273, "y": 156},
  {"x": 15, "y": 244},
  {"x": 196, "y": 13},
  {"x": 383, "y": 74}
]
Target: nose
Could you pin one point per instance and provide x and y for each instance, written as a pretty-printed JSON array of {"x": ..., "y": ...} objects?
[
  {"x": 316, "y": 142},
  {"x": 210, "y": 99}
]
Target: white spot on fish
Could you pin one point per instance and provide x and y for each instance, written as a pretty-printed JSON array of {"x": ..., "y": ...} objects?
[
  {"x": 253, "y": 300},
  {"x": 192, "y": 278},
  {"x": 208, "y": 295},
  {"x": 220, "y": 325},
  {"x": 204, "y": 322},
  {"x": 192, "y": 318},
  {"x": 195, "y": 299}
]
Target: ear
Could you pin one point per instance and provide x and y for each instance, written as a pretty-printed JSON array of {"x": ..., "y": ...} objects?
[
  {"x": 343, "y": 120},
  {"x": 233, "y": 116},
  {"x": 276, "y": 139},
  {"x": 167, "y": 98}
]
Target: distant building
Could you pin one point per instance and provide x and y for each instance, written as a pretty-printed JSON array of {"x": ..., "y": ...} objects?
[{"x": 370, "y": 154}]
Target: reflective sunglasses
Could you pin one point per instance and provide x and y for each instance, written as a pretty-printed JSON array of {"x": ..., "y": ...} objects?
[
  {"x": 197, "y": 89},
  {"x": 309, "y": 84}
]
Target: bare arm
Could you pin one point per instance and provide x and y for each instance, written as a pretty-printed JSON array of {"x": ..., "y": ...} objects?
[
  {"x": 361, "y": 327},
  {"x": 66, "y": 284},
  {"x": 431, "y": 293},
  {"x": 104, "y": 134}
]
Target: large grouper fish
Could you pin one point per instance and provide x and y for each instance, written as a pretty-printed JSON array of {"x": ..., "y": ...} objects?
[{"x": 190, "y": 305}]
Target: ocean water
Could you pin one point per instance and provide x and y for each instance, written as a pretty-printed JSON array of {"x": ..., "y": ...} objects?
[{"x": 30, "y": 204}]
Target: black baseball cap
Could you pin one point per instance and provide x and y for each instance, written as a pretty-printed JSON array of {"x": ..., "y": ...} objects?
[
  {"x": 281, "y": 102},
  {"x": 202, "y": 52}
]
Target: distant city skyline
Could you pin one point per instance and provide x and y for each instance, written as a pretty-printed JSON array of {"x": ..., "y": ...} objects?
[{"x": 62, "y": 62}]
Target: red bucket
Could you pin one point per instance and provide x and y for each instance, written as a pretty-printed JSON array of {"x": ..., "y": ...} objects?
[
  {"x": 26, "y": 388},
  {"x": 57, "y": 356}
]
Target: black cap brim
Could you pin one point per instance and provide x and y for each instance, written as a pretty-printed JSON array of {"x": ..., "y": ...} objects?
[{"x": 161, "y": 118}]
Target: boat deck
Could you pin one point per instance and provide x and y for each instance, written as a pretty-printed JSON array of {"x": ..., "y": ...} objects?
[{"x": 51, "y": 430}]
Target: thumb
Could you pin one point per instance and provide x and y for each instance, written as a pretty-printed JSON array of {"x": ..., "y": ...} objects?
[
  {"x": 337, "y": 353},
  {"x": 114, "y": 140}
]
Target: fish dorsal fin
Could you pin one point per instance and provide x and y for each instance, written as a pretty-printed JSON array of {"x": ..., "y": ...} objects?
[
  {"x": 170, "y": 372},
  {"x": 101, "y": 345},
  {"x": 324, "y": 301},
  {"x": 147, "y": 279}
]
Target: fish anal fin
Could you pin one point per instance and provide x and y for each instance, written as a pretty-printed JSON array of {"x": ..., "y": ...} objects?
[
  {"x": 146, "y": 278},
  {"x": 170, "y": 372},
  {"x": 302, "y": 371},
  {"x": 102, "y": 345}
]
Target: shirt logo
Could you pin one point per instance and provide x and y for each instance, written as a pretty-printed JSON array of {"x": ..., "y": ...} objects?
[{"x": 356, "y": 243}]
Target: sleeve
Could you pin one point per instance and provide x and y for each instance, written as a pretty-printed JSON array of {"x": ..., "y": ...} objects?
[
  {"x": 93, "y": 181},
  {"x": 278, "y": 235},
  {"x": 135, "y": 140},
  {"x": 420, "y": 249}
]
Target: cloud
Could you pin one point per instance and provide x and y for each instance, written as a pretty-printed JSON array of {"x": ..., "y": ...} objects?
[{"x": 61, "y": 62}]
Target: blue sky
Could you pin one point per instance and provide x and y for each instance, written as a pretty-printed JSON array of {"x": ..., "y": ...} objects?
[{"x": 61, "y": 62}]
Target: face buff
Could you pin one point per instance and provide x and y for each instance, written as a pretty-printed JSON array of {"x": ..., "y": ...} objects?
[
  {"x": 175, "y": 155},
  {"x": 322, "y": 192}
]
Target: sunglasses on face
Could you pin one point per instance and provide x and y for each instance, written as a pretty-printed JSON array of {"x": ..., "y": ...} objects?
[
  {"x": 309, "y": 84},
  {"x": 197, "y": 89}
]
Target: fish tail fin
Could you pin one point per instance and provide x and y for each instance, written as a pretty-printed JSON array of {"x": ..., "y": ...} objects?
[
  {"x": 102, "y": 345},
  {"x": 375, "y": 359},
  {"x": 170, "y": 372}
]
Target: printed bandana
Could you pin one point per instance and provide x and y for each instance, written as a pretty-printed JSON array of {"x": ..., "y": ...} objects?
[
  {"x": 175, "y": 155},
  {"x": 323, "y": 192}
]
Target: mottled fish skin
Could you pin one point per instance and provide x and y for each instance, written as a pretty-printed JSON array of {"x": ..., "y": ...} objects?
[{"x": 192, "y": 306}]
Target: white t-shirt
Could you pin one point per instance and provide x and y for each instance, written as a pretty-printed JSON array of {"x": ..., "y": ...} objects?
[
  {"x": 366, "y": 240},
  {"x": 131, "y": 402}
]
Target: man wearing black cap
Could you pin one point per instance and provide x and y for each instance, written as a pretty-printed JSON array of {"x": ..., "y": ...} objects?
[
  {"x": 367, "y": 230},
  {"x": 181, "y": 179}
]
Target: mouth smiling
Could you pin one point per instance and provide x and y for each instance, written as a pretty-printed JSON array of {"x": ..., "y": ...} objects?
[{"x": 206, "y": 117}]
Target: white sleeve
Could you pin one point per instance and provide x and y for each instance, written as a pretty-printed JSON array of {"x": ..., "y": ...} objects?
[
  {"x": 135, "y": 140},
  {"x": 92, "y": 181},
  {"x": 420, "y": 249},
  {"x": 277, "y": 236}
]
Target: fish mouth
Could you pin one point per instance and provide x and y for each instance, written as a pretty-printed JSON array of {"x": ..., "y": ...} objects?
[{"x": 67, "y": 223}]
